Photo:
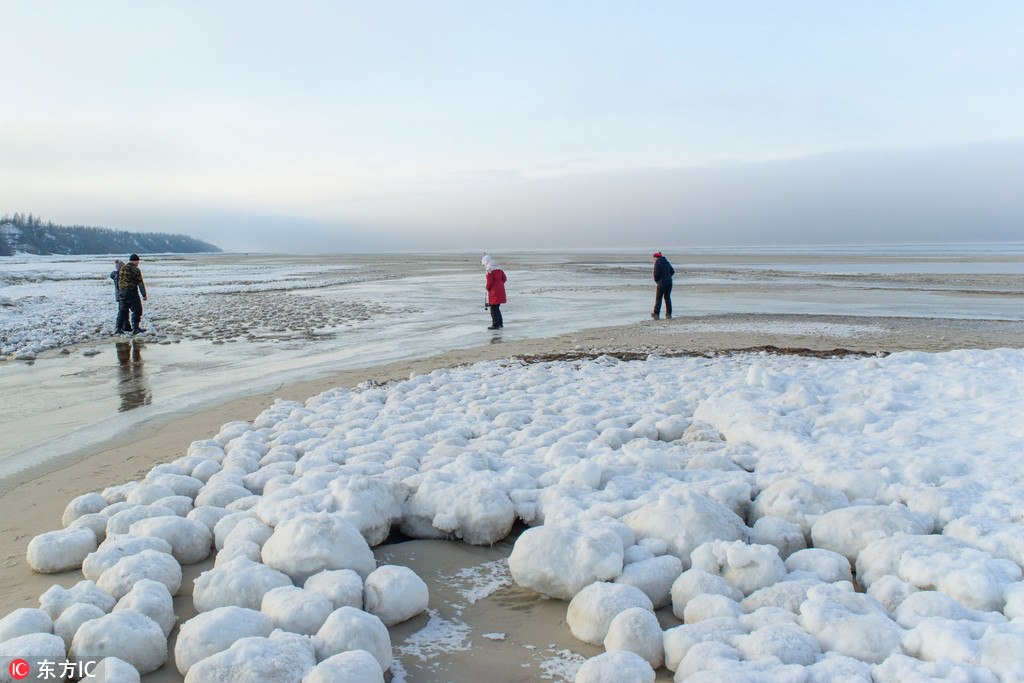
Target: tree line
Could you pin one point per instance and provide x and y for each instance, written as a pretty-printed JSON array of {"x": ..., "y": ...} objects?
[{"x": 29, "y": 234}]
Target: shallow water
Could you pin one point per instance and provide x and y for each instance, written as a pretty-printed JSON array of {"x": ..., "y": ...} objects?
[{"x": 372, "y": 309}]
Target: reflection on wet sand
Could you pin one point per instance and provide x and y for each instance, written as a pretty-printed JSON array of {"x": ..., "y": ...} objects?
[{"x": 131, "y": 381}]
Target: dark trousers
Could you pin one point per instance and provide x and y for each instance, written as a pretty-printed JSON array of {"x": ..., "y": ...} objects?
[
  {"x": 664, "y": 292},
  {"x": 130, "y": 303},
  {"x": 496, "y": 320}
]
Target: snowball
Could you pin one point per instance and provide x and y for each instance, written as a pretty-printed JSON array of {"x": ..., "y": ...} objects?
[
  {"x": 307, "y": 544},
  {"x": 787, "y": 643},
  {"x": 223, "y": 528},
  {"x": 190, "y": 540},
  {"x": 637, "y": 630},
  {"x": 680, "y": 640},
  {"x": 797, "y": 501},
  {"x": 1001, "y": 539},
  {"x": 125, "y": 634},
  {"x": 747, "y": 567},
  {"x": 1014, "y": 595},
  {"x": 249, "y": 529},
  {"x": 85, "y": 504},
  {"x": 971, "y": 576},
  {"x": 117, "y": 547},
  {"x": 788, "y": 595},
  {"x": 59, "y": 551},
  {"x": 56, "y": 599},
  {"x": 152, "y": 599},
  {"x": 121, "y": 521},
  {"x": 394, "y": 594},
  {"x": 348, "y": 628},
  {"x": 182, "y": 505},
  {"x": 849, "y": 530},
  {"x": 114, "y": 669},
  {"x": 371, "y": 504},
  {"x": 24, "y": 621},
  {"x": 211, "y": 632},
  {"x": 684, "y": 520},
  {"x": 708, "y": 606},
  {"x": 67, "y": 624},
  {"x": 654, "y": 577},
  {"x": 559, "y": 561},
  {"x": 710, "y": 656},
  {"x": 281, "y": 658},
  {"x": 148, "y": 564},
  {"x": 787, "y": 536},
  {"x": 890, "y": 591},
  {"x": 95, "y": 522},
  {"x": 35, "y": 648},
  {"x": 474, "y": 506},
  {"x": 181, "y": 484},
  {"x": 343, "y": 587},
  {"x": 851, "y": 624},
  {"x": 240, "y": 582},
  {"x": 209, "y": 515},
  {"x": 694, "y": 582},
  {"x": 246, "y": 549},
  {"x": 147, "y": 494},
  {"x": 618, "y": 666},
  {"x": 594, "y": 607},
  {"x": 354, "y": 666},
  {"x": 922, "y": 605},
  {"x": 827, "y": 565},
  {"x": 221, "y": 494},
  {"x": 296, "y": 610}
]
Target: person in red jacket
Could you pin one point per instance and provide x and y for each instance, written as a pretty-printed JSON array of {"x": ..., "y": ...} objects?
[{"x": 495, "y": 291}]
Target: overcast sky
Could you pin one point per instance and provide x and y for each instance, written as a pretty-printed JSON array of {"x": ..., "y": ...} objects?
[{"x": 335, "y": 126}]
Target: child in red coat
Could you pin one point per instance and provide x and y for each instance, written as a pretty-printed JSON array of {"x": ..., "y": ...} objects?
[{"x": 495, "y": 290}]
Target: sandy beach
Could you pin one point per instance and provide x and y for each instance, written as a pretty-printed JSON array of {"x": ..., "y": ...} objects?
[{"x": 527, "y": 637}]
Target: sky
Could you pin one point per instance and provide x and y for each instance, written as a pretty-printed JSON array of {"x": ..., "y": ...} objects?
[{"x": 333, "y": 126}]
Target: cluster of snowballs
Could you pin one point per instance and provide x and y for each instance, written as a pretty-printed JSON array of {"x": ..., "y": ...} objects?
[{"x": 746, "y": 493}]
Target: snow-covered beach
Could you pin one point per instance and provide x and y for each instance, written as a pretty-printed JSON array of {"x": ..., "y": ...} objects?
[{"x": 751, "y": 515}]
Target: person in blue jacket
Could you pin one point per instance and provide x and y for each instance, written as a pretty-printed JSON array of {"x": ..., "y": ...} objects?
[{"x": 663, "y": 272}]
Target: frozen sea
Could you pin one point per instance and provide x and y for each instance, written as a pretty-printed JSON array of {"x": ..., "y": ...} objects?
[
  {"x": 743, "y": 517},
  {"x": 221, "y": 326}
]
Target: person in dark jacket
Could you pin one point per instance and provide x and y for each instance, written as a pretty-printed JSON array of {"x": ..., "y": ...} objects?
[
  {"x": 118, "y": 263},
  {"x": 129, "y": 287},
  {"x": 663, "y": 272},
  {"x": 495, "y": 291}
]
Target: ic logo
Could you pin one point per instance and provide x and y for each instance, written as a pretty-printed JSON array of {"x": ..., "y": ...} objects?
[{"x": 18, "y": 669}]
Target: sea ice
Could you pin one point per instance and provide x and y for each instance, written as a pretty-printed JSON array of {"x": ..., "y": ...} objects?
[
  {"x": 654, "y": 576},
  {"x": 114, "y": 669},
  {"x": 747, "y": 567},
  {"x": 66, "y": 625},
  {"x": 852, "y": 624},
  {"x": 354, "y": 666},
  {"x": 849, "y": 530},
  {"x": 84, "y": 504},
  {"x": 117, "y": 547}
]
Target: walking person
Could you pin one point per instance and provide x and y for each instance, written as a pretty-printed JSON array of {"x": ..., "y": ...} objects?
[
  {"x": 495, "y": 290},
  {"x": 129, "y": 287},
  {"x": 663, "y": 272},
  {"x": 118, "y": 264}
]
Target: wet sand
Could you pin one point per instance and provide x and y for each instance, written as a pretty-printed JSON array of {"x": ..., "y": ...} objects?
[{"x": 536, "y": 642}]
